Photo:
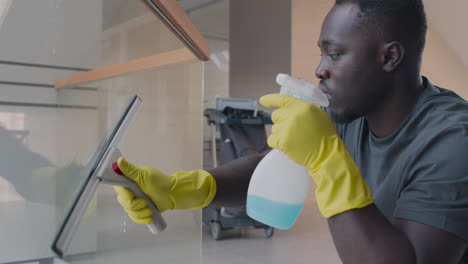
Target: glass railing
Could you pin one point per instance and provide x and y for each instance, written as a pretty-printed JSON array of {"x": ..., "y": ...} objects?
[
  {"x": 50, "y": 139},
  {"x": 167, "y": 134},
  {"x": 38, "y": 179},
  {"x": 50, "y": 147}
]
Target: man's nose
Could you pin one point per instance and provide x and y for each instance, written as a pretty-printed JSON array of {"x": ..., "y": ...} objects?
[{"x": 322, "y": 73}]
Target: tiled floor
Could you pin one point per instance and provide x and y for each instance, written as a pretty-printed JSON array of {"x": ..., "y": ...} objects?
[{"x": 309, "y": 241}]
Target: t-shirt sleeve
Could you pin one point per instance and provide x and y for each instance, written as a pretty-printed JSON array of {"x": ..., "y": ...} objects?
[{"x": 436, "y": 187}]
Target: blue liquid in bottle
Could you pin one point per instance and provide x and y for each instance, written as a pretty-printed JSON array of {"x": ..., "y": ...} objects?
[{"x": 276, "y": 214}]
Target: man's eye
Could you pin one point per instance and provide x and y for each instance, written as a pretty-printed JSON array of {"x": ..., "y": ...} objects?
[{"x": 334, "y": 56}]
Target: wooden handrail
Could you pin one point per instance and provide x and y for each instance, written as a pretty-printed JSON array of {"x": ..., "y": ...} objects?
[
  {"x": 145, "y": 63},
  {"x": 174, "y": 16}
]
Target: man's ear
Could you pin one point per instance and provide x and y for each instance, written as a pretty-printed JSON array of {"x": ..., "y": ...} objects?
[{"x": 392, "y": 54}]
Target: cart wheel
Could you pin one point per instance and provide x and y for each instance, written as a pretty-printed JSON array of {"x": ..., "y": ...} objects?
[
  {"x": 269, "y": 232},
  {"x": 215, "y": 228}
]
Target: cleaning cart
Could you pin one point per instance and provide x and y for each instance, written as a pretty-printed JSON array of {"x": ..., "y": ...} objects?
[{"x": 242, "y": 132}]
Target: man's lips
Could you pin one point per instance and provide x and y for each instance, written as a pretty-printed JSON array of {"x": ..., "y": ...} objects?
[{"x": 324, "y": 90}]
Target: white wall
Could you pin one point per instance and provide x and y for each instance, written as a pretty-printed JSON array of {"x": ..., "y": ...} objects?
[
  {"x": 442, "y": 64},
  {"x": 449, "y": 19},
  {"x": 307, "y": 17}
]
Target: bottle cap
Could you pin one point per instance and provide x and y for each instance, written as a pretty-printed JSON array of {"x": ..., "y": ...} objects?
[{"x": 281, "y": 78}]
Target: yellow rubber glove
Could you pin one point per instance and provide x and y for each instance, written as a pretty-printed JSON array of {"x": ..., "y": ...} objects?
[
  {"x": 306, "y": 134},
  {"x": 182, "y": 190}
]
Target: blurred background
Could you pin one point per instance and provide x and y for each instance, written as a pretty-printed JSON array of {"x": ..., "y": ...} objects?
[{"x": 49, "y": 136}]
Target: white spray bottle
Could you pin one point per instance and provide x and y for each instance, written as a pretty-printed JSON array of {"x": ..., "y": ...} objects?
[{"x": 279, "y": 186}]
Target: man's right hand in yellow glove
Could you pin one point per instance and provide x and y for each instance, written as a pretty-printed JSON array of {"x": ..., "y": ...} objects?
[
  {"x": 182, "y": 190},
  {"x": 306, "y": 134}
]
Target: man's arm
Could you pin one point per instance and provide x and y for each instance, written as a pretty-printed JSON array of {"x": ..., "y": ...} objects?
[
  {"x": 232, "y": 180},
  {"x": 365, "y": 236}
]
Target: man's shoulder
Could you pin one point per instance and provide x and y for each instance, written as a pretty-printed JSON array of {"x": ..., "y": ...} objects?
[
  {"x": 439, "y": 96},
  {"x": 441, "y": 109},
  {"x": 439, "y": 127}
]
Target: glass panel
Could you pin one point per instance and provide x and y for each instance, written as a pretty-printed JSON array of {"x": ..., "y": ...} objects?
[
  {"x": 48, "y": 136},
  {"x": 23, "y": 152},
  {"x": 167, "y": 134},
  {"x": 37, "y": 184},
  {"x": 47, "y": 143}
]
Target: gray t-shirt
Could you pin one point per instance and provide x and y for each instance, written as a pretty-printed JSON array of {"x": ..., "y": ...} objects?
[{"x": 420, "y": 171}]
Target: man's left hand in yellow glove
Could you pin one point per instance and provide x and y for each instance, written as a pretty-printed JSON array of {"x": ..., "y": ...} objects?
[
  {"x": 182, "y": 190},
  {"x": 306, "y": 134}
]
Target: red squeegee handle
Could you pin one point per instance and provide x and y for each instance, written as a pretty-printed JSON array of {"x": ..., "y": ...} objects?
[{"x": 116, "y": 168}]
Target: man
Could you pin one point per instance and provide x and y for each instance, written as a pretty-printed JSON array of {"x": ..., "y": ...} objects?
[{"x": 390, "y": 170}]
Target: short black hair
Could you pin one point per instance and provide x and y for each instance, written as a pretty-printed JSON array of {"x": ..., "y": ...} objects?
[{"x": 401, "y": 19}]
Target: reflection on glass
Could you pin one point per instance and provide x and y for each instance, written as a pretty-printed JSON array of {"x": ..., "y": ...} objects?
[
  {"x": 47, "y": 153},
  {"x": 45, "y": 164},
  {"x": 35, "y": 183},
  {"x": 135, "y": 31}
]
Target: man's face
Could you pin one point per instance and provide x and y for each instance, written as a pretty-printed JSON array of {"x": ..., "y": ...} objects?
[{"x": 349, "y": 70}]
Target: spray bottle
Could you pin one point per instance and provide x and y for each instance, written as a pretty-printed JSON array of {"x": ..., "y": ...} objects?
[{"x": 279, "y": 186}]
